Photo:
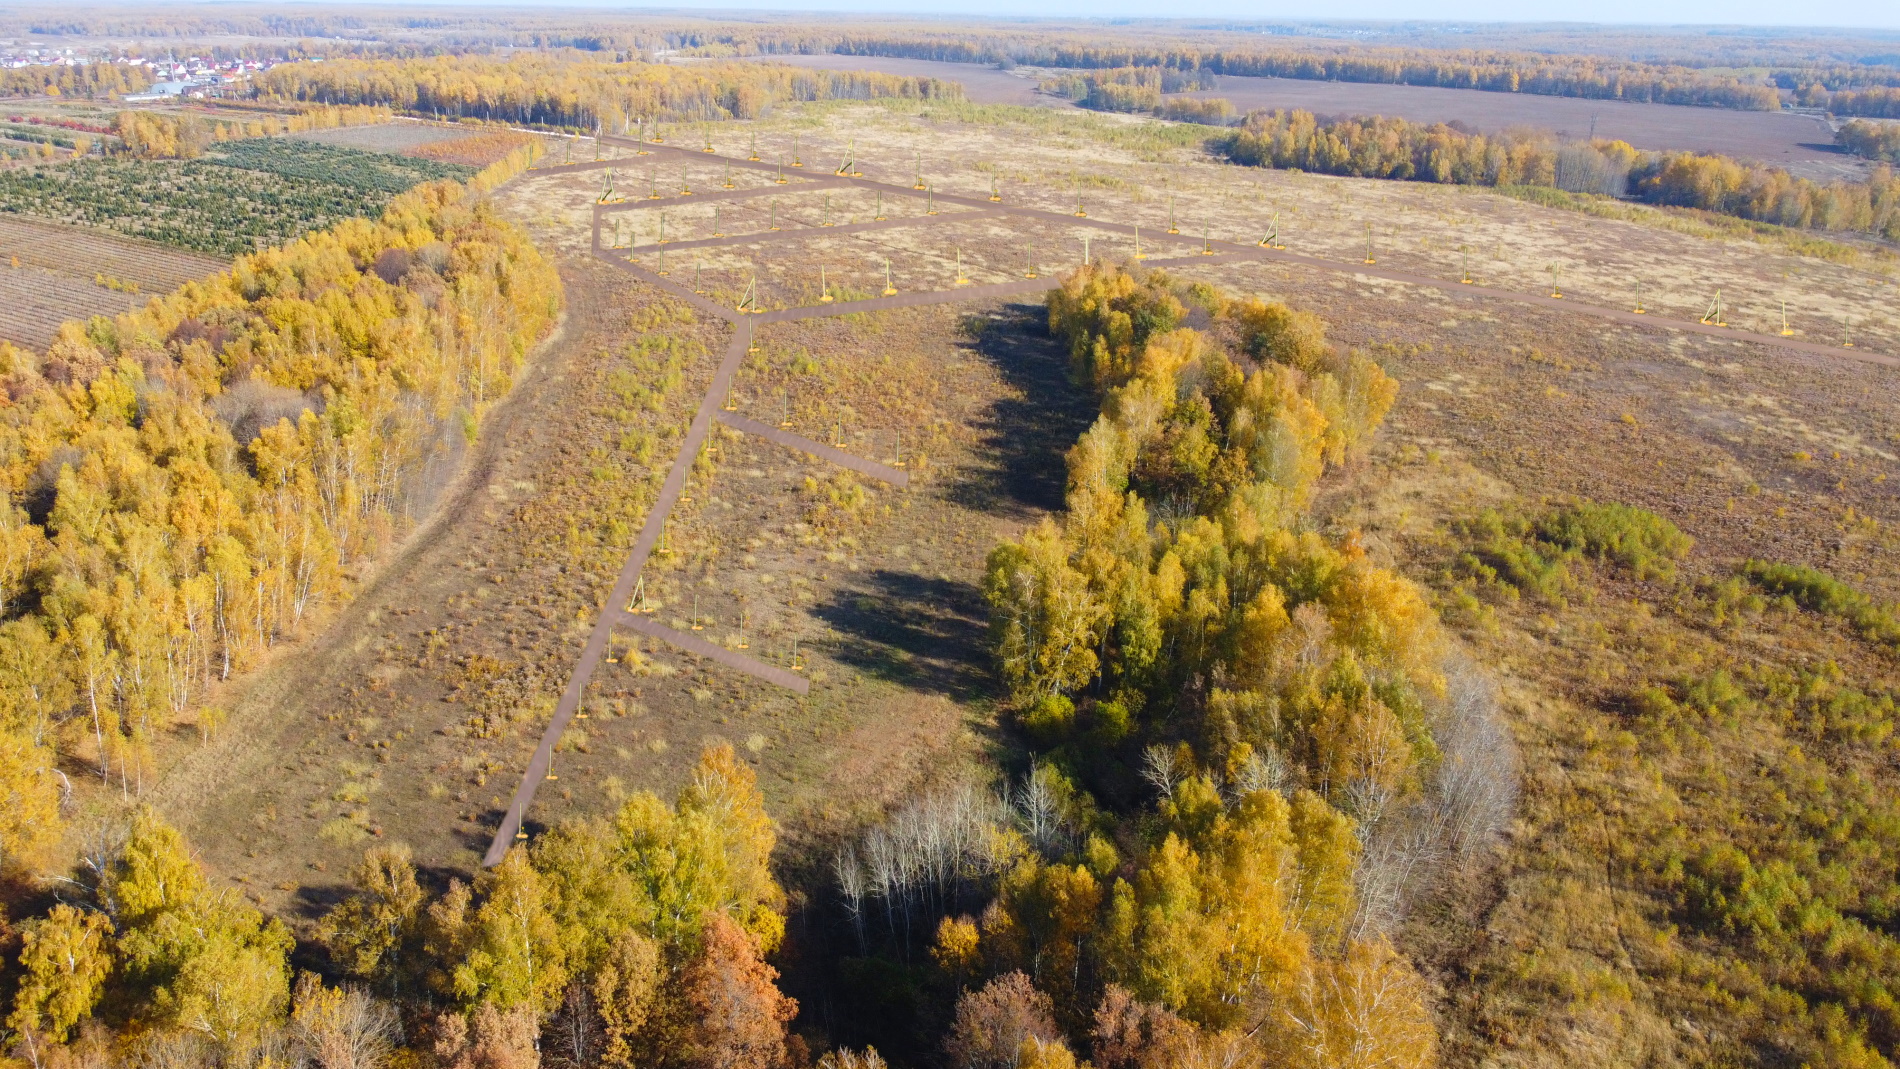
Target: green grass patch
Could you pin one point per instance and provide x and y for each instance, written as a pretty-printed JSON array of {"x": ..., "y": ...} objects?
[
  {"x": 1641, "y": 541},
  {"x": 1515, "y": 553},
  {"x": 1817, "y": 591}
]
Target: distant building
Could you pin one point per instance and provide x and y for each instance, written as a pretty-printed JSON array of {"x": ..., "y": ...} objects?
[{"x": 160, "y": 91}]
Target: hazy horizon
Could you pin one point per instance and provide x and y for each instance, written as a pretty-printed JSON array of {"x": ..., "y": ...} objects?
[{"x": 1849, "y": 16}]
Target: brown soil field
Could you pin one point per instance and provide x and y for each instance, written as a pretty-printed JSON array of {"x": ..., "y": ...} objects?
[
  {"x": 390, "y": 136},
  {"x": 56, "y": 277},
  {"x": 412, "y": 716}
]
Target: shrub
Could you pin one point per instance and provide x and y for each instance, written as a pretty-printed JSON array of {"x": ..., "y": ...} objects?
[
  {"x": 1645, "y": 543},
  {"x": 1816, "y": 591},
  {"x": 1049, "y": 720}
]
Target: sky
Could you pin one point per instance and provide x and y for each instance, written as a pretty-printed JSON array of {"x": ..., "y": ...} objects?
[{"x": 1880, "y": 14}]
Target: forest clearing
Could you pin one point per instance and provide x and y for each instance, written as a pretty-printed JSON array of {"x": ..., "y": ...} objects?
[
  {"x": 874, "y": 591},
  {"x": 900, "y": 579}
]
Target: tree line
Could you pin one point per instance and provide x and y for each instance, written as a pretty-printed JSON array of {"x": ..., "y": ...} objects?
[
  {"x": 91, "y": 81},
  {"x": 1593, "y": 77},
  {"x": 1381, "y": 147},
  {"x": 634, "y": 940},
  {"x": 1251, "y": 748},
  {"x": 183, "y": 486},
  {"x": 1875, "y": 103},
  {"x": 576, "y": 89}
]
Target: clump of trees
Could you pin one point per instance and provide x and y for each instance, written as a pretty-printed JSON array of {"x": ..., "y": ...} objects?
[
  {"x": 1873, "y": 140},
  {"x": 1253, "y": 748},
  {"x": 1142, "y": 89},
  {"x": 1380, "y": 147},
  {"x": 632, "y": 940},
  {"x": 184, "y": 486},
  {"x": 578, "y": 89}
]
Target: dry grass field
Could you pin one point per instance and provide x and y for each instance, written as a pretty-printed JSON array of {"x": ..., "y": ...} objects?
[
  {"x": 386, "y": 137},
  {"x": 412, "y": 717},
  {"x": 50, "y": 274},
  {"x": 1802, "y": 143}
]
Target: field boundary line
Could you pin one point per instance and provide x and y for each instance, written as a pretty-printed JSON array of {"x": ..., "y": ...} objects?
[
  {"x": 575, "y": 168},
  {"x": 805, "y": 184},
  {"x": 597, "y": 639},
  {"x": 807, "y": 232},
  {"x": 894, "y": 476},
  {"x": 771, "y": 673}
]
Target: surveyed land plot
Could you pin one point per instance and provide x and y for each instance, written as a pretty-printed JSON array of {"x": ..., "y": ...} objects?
[{"x": 765, "y": 254}]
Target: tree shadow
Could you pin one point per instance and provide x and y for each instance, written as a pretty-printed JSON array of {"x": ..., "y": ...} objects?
[
  {"x": 916, "y": 631},
  {"x": 1023, "y": 437}
]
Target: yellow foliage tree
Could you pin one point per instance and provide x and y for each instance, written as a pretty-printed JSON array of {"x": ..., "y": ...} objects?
[{"x": 65, "y": 960}]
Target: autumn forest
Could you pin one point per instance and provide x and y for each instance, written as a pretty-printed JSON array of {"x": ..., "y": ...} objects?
[{"x": 531, "y": 541}]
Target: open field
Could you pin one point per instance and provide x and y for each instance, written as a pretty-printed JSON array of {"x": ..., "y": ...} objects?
[
  {"x": 394, "y": 137},
  {"x": 429, "y": 692},
  {"x": 1750, "y": 422},
  {"x": 414, "y": 715},
  {"x": 1802, "y": 143},
  {"x": 58, "y": 277}
]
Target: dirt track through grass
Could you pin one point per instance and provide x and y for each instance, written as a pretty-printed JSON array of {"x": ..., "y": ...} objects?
[{"x": 741, "y": 319}]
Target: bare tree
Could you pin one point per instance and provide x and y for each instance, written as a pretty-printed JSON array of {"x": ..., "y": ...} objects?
[
  {"x": 1394, "y": 866},
  {"x": 919, "y": 861},
  {"x": 848, "y": 1059},
  {"x": 1158, "y": 768},
  {"x": 851, "y": 889},
  {"x": 1467, "y": 803},
  {"x": 343, "y": 1028},
  {"x": 1264, "y": 770},
  {"x": 574, "y": 1035},
  {"x": 161, "y": 1049},
  {"x": 1039, "y": 811},
  {"x": 1475, "y": 790}
]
